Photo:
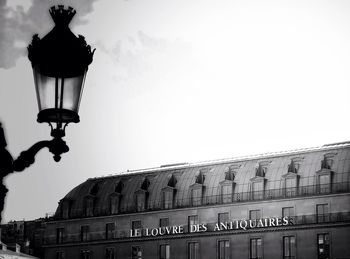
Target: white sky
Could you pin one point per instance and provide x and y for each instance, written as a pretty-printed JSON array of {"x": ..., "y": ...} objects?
[{"x": 185, "y": 81}]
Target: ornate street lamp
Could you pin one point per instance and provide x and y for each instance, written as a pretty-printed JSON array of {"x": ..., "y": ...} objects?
[{"x": 60, "y": 62}]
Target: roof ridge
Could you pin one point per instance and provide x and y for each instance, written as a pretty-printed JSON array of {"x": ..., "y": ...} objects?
[{"x": 226, "y": 160}]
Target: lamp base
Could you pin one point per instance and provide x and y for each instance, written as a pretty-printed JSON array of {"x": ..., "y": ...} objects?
[{"x": 58, "y": 116}]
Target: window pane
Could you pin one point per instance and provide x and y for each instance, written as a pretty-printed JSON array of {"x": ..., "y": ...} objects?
[
  {"x": 140, "y": 202},
  {"x": 164, "y": 222},
  {"x": 322, "y": 212},
  {"x": 288, "y": 212},
  {"x": 136, "y": 224},
  {"x": 164, "y": 252},
  {"x": 167, "y": 199},
  {"x": 224, "y": 249},
  {"x": 323, "y": 246},
  {"x": 289, "y": 247},
  {"x": 324, "y": 183},
  {"x": 226, "y": 193},
  {"x": 254, "y": 214},
  {"x": 193, "y": 250},
  {"x": 256, "y": 248},
  {"x": 192, "y": 220},
  {"x": 110, "y": 230},
  {"x": 109, "y": 253},
  {"x": 84, "y": 232},
  {"x": 136, "y": 252},
  {"x": 223, "y": 217},
  {"x": 258, "y": 190},
  {"x": 197, "y": 197}
]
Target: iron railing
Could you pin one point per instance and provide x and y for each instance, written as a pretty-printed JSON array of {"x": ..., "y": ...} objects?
[
  {"x": 208, "y": 200},
  {"x": 271, "y": 194}
]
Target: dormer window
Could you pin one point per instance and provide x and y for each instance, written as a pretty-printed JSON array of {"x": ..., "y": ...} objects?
[
  {"x": 141, "y": 201},
  {"x": 89, "y": 206},
  {"x": 197, "y": 189},
  {"x": 196, "y": 196},
  {"x": 168, "y": 193},
  {"x": 90, "y": 200},
  {"x": 64, "y": 208},
  {"x": 115, "y": 198},
  {"x": 227, "y": 186},
  {"x": 258, "y": 182},
  {"x": 324, "y": 175},
  {"x": 291, "y": 178},
  {"x": 141, "y": 196}
]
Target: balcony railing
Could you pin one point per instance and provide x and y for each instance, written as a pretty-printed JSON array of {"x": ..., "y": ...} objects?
[
  {"x": 208, "y": 200},
  {"x": 300, "y": 220},
  {"x": 271, "y": 194}
]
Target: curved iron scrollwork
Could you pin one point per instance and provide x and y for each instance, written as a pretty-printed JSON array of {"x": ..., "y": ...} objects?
[{"x": 57, "y": 146}]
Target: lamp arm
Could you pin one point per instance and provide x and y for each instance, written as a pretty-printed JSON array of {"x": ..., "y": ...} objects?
[
  {"x": 57, "y": 146},
  {"x": 27, "y": 158}
]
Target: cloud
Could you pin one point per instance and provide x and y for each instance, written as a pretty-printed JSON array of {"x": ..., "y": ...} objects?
[
  {"x": 19, "y": 25},
  {"x": 143, "y": 56}
]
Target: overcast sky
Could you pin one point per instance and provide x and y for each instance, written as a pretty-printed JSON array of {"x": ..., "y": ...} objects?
[{"x": 177, "y": 81}]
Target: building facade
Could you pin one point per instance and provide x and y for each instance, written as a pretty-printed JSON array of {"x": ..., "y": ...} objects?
[{"x": 289, "y": 205}]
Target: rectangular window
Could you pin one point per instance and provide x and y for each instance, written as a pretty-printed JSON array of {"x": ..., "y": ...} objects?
[
  {"x": 291, "y": 187},
  {"x": 110, "y": 253},
  {"x": 324, "y": 186},
  {"x": 60, "y": 255},
  {"x": 114, "y": 204},
  {"x": 140, "y": 201},
  {"x": 289, "y": 251},
  {"x": 323, "y": 246},
  {"x": 254, "y": 214},
  {"x": 84, "y": 233},
  {"x": 193, "y": 220},
  {"x": 256, "y": 248},
  {"x": 226, "y": 193},
  {"x": 136, "y": 224},
  {"x": 167, "y": 199},
  {"x": 258, "y": 190},
  {"x": 223, "y": 217},
  {"x": 110, "y": 230},
  {"x": 193, "y": 250},
  {"x": 197, "y": 197},
  {"x": 59, "y": 235},
  {"x": 322, "y": 213},
  {"x": 85, "y": 254},
  {"x": 288, "y": 212},
  {"x": 89, "y": 207},
  {"x": 224, "y": 249},
  {"x": 136, "y": 252},
  {"x": 164, "y": 222},
  {"x": 164, "y": 251}
]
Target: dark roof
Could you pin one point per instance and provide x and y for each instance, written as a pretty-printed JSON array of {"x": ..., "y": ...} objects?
[{"x": 244, "y": 169}]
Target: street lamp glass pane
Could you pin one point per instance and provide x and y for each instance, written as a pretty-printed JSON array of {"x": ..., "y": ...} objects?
[{"x": 58, "y": 98}]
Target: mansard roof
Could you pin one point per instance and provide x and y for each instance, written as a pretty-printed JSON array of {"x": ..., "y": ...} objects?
[{"x": 184, "y": 175}]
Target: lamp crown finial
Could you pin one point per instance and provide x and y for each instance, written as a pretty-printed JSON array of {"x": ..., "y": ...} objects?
[{"x": 62, "y": 16}]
